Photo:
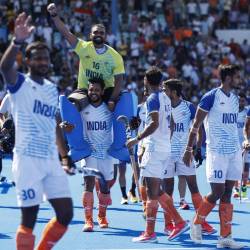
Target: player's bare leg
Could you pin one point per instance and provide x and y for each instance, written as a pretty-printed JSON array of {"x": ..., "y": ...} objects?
[{"x": 182, "y": 186}]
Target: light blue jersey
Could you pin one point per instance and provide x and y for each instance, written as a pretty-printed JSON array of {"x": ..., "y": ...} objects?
[
  {"x": 183, "y": 114},
  {"x": 241, "y": 123},
  {"x": 33, "y": 108},
  {"x": 160, "y": 139},
  {"x": 221, "y": 121},
  {"x": 98, "y": 129}
]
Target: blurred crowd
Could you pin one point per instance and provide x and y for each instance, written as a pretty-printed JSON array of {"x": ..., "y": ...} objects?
[{"x": 178, "y": 36}]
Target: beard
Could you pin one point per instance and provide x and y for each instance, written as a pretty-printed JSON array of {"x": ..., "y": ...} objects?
[{"x": 98, "y": 40}]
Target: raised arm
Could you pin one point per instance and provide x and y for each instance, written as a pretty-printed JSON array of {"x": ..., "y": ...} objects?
[
  {"x": 22, "y": 31},
  {"x": 71, "y": 38}
]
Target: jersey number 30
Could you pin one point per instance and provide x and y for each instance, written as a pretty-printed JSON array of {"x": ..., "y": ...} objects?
[{"x": 28, "y": 194}]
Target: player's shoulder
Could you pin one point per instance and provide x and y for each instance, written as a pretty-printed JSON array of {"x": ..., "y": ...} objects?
[
  {"x": 112, "y": 51},
  {"x": 212, "y": 92}
]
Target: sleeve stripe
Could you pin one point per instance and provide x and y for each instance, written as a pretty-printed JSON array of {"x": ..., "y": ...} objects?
[
  {"x": 14, "y": 88},
  {"x": 203, "y": 109}
]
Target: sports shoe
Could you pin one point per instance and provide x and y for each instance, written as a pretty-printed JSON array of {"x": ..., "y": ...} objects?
[
  {"x": 195, "y": 232},
  {"x": 207, "y": 229},
  {"x": 102, "y": 221},
  {"x": 169, "y": 229},
  {"x": 184, "y": 205},
  {"x": 124, "y": 201},
  {"x": 236, "y": 193},
  {"x": 145, "y": 238},
  {"x": 88, "y": 226},
  {"x": 228, "y": 242},
  {"x": 179, "y": 229},
  {"x": 244, "y": 192},
  {"x": 132, "y": 198}
]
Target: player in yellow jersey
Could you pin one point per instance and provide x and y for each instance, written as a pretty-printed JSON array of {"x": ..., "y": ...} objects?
[{"x": 97, "y": 60}]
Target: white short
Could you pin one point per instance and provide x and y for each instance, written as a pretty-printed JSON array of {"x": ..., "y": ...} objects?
[
  {"x": 38, "y": 179},
  {"x": 247, "y": 157},
  {"x": 155, "y": 164},
  {"x": 222, "y": 167},
  {"x": 177, "y": 167},
  {"x": 105, "y": 166}
]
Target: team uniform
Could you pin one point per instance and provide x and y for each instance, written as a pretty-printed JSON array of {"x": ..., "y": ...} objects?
[
  {"x": 224, "y": 160},
  {"x": 93, "y": 65},
  {"x": 141, "y": 113},
  {"x": 157, "y": 145},
  {"x": 183, "y": 114},
  {"x": 33, "y": 108},
  {"x": 97, "y": 125},
  {"x": 241, "y": 123}
]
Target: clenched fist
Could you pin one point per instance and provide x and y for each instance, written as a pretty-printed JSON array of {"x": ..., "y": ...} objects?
[{"x": 52, "y": 9}]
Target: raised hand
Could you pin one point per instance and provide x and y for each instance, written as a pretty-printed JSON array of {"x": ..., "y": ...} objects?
[
  {"x": 52, "y": 9},
  {"x": 23, "y": 27}
]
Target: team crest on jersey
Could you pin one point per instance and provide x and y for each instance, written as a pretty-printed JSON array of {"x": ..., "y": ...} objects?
[
  {"x": 183, "y": 113},
  {"x": 87, "y": 56},
  {"x": 86, "y": 113},
  {"x": 222, "y": 103}
]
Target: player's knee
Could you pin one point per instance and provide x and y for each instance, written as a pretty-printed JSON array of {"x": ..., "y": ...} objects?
[
  {"x": 89, "y": 183},
  {"x": 65, "y": 216}
]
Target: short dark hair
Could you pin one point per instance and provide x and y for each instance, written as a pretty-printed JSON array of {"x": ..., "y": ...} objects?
[
  {"x": 35, "y": 45},
  {"x": 100, "y": 25},
  {"x": 242, "y": 95},
  {"x": 174, "y": 84},
  {"x": 227, "y": 70},
  {"x": 97, "y": 81},
  {"x": 154, "y": 76}
]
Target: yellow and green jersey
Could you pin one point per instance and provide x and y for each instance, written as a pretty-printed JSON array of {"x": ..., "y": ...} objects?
[{"x": 93, "y": 65}]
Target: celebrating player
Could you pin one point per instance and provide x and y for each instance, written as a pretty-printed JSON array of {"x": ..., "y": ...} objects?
[
  {"x": 183, "y": 114},
  {"x": 36, "y": 167},
  {"x": 156, "y": 157},
  {"x": 219, "y": 108},
  {"x": 97, "y": 120},
  {"x": 97, "y": 60}
]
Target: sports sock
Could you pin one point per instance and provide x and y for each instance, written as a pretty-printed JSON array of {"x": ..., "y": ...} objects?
[
  {"x": 204, "y": 209},
  {"x": 151, "y": 211},
  {"x": 104, "y": 201},
  {"x": 52, "y": 233},
  {"x": 226, "y": 216},
  {"x": 167, "y": 204},
  {"x": 25, "y": 240},
  {"x": 132, "y": 189},
  {"x": 88, "y": 203},
  {"x": 124, "y": 194}
]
